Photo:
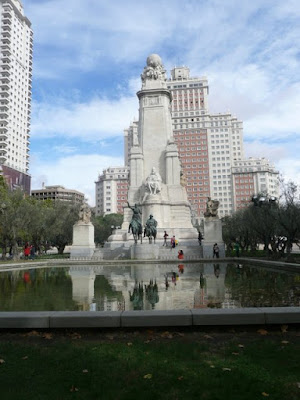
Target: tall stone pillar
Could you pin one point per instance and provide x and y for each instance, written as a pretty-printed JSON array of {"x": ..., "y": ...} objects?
[
  {"x": 155, "y": 126},
  {"x": 172, "y": 164},
  {"x": 136, "y": 159}
]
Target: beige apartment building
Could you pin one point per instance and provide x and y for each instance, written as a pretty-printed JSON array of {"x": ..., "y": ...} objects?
[
  {"x": 111, "y": 190},
  {"x": 58, "y": 193},
  {"x": 253, "y": 176}
]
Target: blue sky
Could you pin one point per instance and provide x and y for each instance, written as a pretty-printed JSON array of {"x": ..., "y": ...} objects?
[{"x": 88, "y": 57}]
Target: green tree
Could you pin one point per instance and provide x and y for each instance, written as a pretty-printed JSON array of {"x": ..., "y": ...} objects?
[
  {"x": 103, "y": 226},
  {"x": 275, "y": 224},
  {"x": 14, "y": 219},
  {"x": 289, "y": 215},
  {"x": 59, "y": 222},
  {"x": 37, "y": 228}
]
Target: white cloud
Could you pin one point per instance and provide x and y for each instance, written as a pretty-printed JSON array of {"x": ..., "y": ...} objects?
[
  {"x": 77, "y": 172},
  {"x": 65, "y": 149},
  {"x": 290, "y": 170},
  {"x": 273, "y": 152},
  {"x": 284, "y": 156},
  {"x": 99, "y": 118}
]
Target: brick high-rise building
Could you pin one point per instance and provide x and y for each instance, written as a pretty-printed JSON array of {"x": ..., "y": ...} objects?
[
  {"x": 15, "y": 92},
  {"x": 208, "y": 144},
  {"x": 58, "y": 192},
  {"x": 210, "y": 147}
]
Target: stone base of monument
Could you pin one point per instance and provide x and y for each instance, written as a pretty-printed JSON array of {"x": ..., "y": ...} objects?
[
  {"x": 146, "y": 251},
  {"x": 83, "y": 245},
  {"x": 120, "y": 246},
  {"x": 212, "y": 235}
]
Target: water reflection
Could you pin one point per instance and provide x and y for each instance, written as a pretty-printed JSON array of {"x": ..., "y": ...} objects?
[
  {"x": 147, "y": 287},
  {"x": 144, "y": 292}
]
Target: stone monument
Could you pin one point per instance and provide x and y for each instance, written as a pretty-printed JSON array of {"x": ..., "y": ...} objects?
[
  {"x": 83, "y": 245},
  {"x": 155, "y": 173},
  {"x": 212, "y": 230}
]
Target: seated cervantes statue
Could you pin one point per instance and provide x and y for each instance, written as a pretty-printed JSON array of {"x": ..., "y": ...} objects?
[
  {"x": 85, "y": 214},
  {"x": 211, "y": 208},
  {"x": 153, "y": 182}
]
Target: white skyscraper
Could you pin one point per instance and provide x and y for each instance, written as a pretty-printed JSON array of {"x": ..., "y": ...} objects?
[{"x": 15, "y": 92}]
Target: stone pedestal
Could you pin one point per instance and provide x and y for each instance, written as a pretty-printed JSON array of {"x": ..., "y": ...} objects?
[
  {"x": 83, "y": 241},
  {"x": 212, "y": 235},
  {"x": 144, "y": 251}
]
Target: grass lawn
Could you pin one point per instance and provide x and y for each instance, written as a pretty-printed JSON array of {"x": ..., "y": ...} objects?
[{"x": 151, "y": 364}]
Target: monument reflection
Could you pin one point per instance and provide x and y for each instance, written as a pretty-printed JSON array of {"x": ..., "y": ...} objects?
[
  {"x": 181, "y": 286},
  {"x": 149, "y": 286},
  {"x": 164, "y": 286}
]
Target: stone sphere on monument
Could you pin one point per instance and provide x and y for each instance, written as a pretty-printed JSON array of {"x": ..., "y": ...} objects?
[{"x": 154, "y": 60}]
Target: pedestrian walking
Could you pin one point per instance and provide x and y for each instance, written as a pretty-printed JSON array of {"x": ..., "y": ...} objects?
[
  {"x": 26, "y": 251},
  {"x": 200, "y": 237}
]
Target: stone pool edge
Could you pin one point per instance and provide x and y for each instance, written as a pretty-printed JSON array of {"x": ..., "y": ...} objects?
[
  {"x": 65, "y": 262},
  {"x": 154, "y": 318},
  {"x": 141, "y": 319}
]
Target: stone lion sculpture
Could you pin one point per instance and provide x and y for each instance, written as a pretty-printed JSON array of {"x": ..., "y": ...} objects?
[{"x": 211, "y": 208}]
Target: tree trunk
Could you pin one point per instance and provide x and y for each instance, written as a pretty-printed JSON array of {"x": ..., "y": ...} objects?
[
  {"x": 15, "y": 251},
  {"x": 288, "y": 248},
  {"x": 4, "y": 251},
  {"x": 61, "y": 248}
]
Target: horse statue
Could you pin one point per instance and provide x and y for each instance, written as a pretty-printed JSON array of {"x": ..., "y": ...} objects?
[
  {"x": 137, "y": 231},
  {"x": 135, "y": 225},
  {"x": 150, "y": 229}
]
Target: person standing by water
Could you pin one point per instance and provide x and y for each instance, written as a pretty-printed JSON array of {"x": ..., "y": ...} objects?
[
  {"x": 237, "y": 249},
  {"x": 26, "y": 251},
  {"x": 200, "y": 237},
  {"x": 216, "y": 251},
  {"x": 165, "y": 238},
  {"x": 173, "y": 242},
  {"x": 180, "y": 255},
  {"x": 32, "y": 252}
]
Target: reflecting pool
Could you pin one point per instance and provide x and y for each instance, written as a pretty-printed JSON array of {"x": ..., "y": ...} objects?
[{"x": 146, "y": 287}]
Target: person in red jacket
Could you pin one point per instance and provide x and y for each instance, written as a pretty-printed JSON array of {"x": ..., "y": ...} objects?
[
  {"x": 180, "y": 255},
  {"x": 26, "y": 250}
]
